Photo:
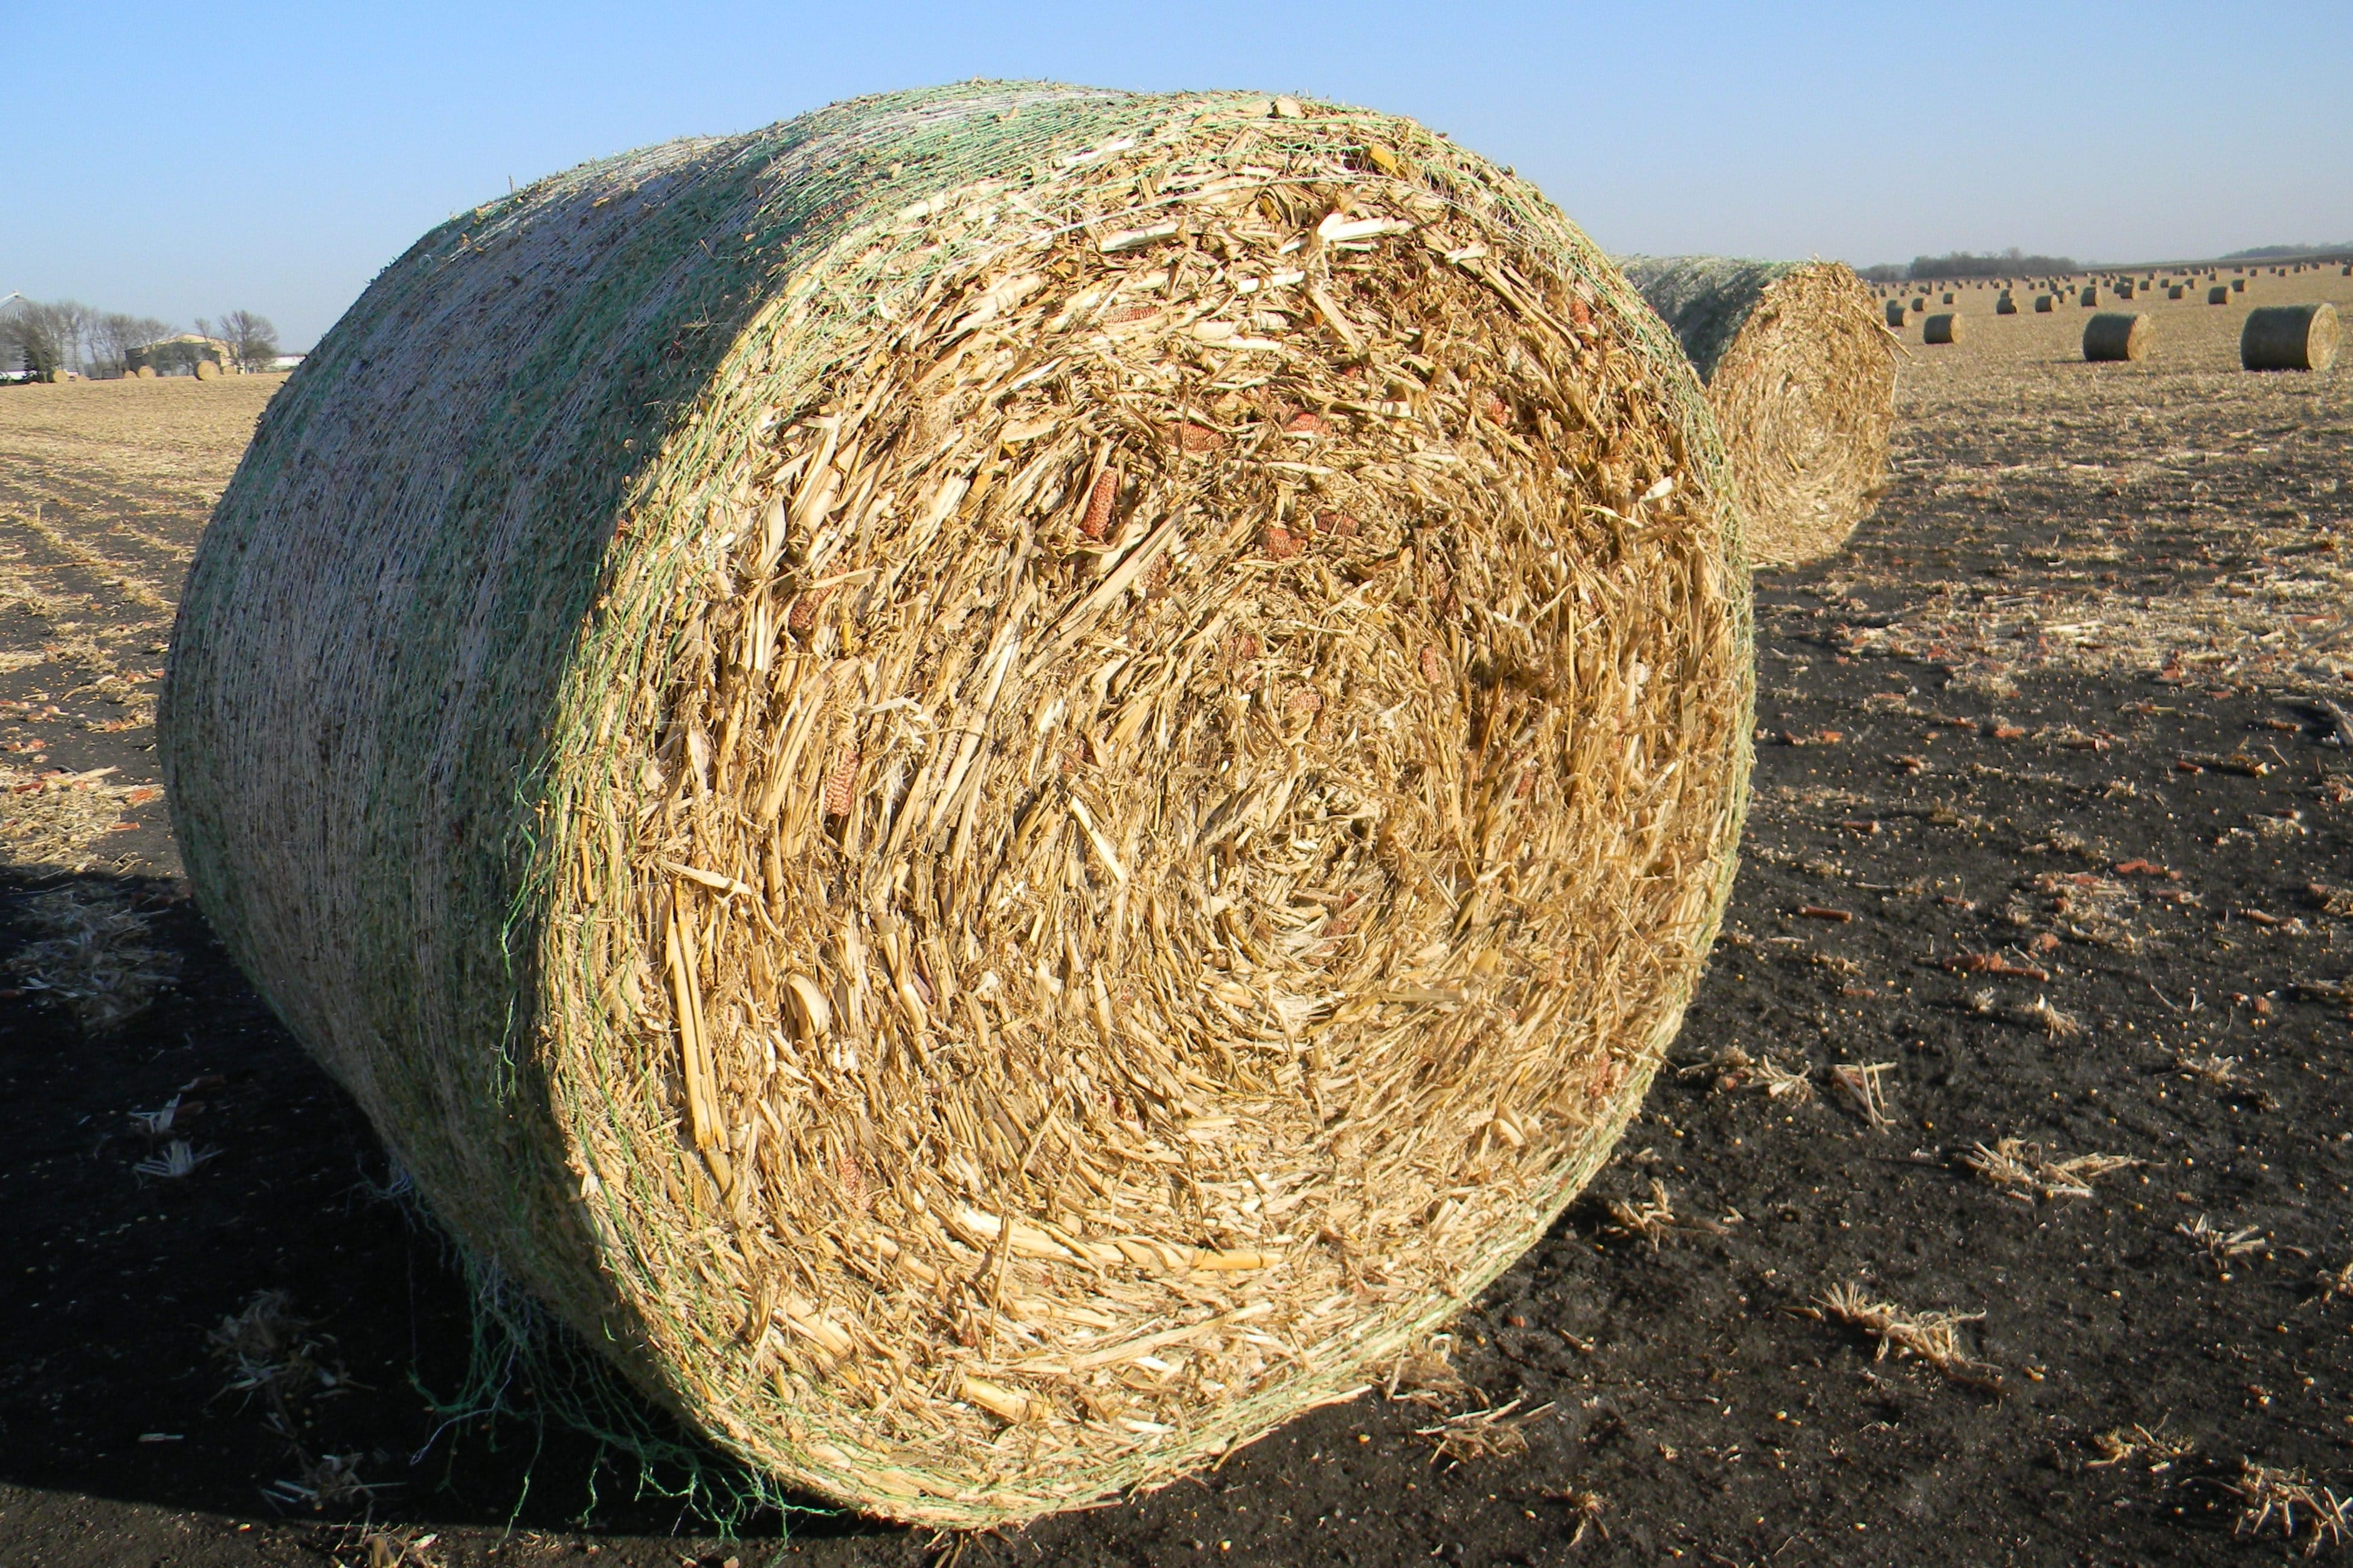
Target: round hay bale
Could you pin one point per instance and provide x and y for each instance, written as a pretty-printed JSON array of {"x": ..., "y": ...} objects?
[
  {"x": 915, "y": 755},
  {"x": 2116, "y": 335},
  {"x": 2004, "y": 305},
  {"x": 1949, "y": 297},
  {"x": 2289, "y": 337},
  {"x": 209, "y": 370},
  {"x": 1920, "y": 303},
  {"x": 2174, "y": 290},
  {"x": 1895, "y": 313},
  {"x": 2125, "y": 289},
  {"x": 1802, "y": 380},
  {"x": 2044, "y": 304},
  {"x": 2218, "y": 295},
  {"x": 2090, "y": 295},
  {"x": 2238, "y": 285},
  {"x": 1944, "y": 327},
  {"x": 146, "y": 373}
]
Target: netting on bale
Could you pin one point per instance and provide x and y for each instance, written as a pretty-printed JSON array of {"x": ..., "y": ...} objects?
[
  {"x": 1802, "y": 379},
  {"x": 1001, "y": 781}
]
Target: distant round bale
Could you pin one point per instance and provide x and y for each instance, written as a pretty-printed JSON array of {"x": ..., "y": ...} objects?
[
  {"x": 2090, "y": 295},
  {"x": 2114, "y": 335},
  {"x": 2005, "y": 305},
  {"x": 1802, "y": 380},
  {"x": 2174, "y": 290},
  {"x": 2238, "y": 285},
  {"x": 2289, "y": 337},
  {"x": 1944, "y": 327},
  {"x": 2125, "y": 289},
  {"x": 1920, "y": 303},
  {"x": 209, "y": 370},
  {"x": 146, "y": 373},
  {"x": 1895, "y": 313},
  {"x": 1949, "y": 297},
  {"x": 2218, "y": 295},
  {"x": 2044, "y": 304},
  {"x": 754, "y": 701}
]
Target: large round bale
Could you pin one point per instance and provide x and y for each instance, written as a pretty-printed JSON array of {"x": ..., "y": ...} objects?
[
  {"x": 2044, "y": 304},
  {"x": 2116, "y": 335},
  {"x": 1895, "y": 313},
  {"x": 209, "y": 370},
  {"x": 2218, "y": 295},
  {"x": 1802, "y": 379},
  {"x": 1944, "y": 327},
  {"x": 2289, "y": 337},
  {"x": 2089, "y": 297},
  {"x": 1003, "y": 781},
  {"x": 2174, "y": 290},
  {"x": 2004, "y": 305}
]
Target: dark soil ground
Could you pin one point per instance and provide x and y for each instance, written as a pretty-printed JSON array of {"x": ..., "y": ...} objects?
[{"x": 2087, "y": 897}]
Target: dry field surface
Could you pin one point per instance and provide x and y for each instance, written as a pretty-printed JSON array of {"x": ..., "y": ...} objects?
[{"x": 1994, "y": 1210}]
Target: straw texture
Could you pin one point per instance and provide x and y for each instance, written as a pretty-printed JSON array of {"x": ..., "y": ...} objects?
[
  {"x": 1802, "y": 379},
  {"x": 1003, "y": 780}
]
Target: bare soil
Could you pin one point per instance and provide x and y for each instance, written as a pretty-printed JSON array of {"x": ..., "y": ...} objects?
[{"x": 2051, "y": 842}]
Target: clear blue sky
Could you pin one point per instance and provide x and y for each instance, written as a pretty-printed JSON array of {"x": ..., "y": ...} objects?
[{"x": 184, "y": 159}]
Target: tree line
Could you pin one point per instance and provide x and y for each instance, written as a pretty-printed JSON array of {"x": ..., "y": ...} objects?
[
  {"x": 2011, "y": 263},
  {"x": 47, "y": 337}
]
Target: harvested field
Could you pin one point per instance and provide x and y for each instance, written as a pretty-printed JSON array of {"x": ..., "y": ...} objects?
[{"x": 2050, "y": 845}]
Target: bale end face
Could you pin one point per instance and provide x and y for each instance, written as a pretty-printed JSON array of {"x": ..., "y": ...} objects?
[
  {"x": 2116, "y": 335},
  {"x": 2289, "y": 337}
]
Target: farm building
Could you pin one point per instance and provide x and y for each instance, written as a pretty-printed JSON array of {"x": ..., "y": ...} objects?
[{"x": 181, "y": 355}]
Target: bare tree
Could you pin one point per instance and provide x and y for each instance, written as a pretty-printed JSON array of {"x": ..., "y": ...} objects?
[
  {"x": 113, "y": 336},
  {"x": 252, "y": 338},
  {"x": 46, "y": 335}
]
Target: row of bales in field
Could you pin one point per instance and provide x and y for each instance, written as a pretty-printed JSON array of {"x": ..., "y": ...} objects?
[{"x": 2303, "y": 336}]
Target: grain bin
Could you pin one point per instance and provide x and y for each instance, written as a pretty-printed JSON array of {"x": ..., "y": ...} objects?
[
  {"x": 1802, "y": 380},
  {"x": 2114, "y": 335},
  {"x": 913, "y": 756},
  {"x": 2289, "y": 337}
]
